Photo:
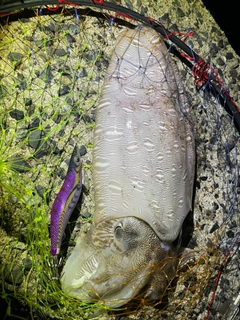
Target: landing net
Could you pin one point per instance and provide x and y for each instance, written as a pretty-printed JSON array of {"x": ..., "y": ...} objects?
[{"x": 53, "y": 59}]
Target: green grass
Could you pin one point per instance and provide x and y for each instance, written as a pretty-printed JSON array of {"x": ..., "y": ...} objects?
[{"x": 25, "y": 212}]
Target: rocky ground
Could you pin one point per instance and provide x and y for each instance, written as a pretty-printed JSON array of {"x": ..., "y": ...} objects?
[{"x": 51, "y": 72}]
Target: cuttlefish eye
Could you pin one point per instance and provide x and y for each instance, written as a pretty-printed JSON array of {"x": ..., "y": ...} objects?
[{"x": 118, "y": 232}]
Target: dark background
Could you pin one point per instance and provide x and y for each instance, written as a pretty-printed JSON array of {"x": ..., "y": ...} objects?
[{"x": 227, "y": 15}]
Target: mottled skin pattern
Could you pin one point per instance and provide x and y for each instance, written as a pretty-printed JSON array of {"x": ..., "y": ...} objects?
[
  {"x": 66, "y": 201},
  {"x": 144, "y": 159}
]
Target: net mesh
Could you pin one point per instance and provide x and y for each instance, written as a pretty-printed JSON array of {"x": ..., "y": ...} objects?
[{"x": 52, "y": 68}]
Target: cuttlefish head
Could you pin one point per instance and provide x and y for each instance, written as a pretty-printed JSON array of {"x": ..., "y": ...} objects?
[{"x": 118, "y": 260}]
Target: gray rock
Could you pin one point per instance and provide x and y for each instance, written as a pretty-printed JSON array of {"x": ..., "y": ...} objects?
[
  {"x": 63, "y": 90},
  {"x": 70, "y": 38},
  {"x": 27, "y": 264},
  {"x": 20, "y": 165},
  {"x": 15, "y": 56},
  {"x": 34, "y": 123},
  {"x": 16, "y": 114},
  {"x": 60, "y": 52},
  {"x": 28, "y": 102},
  {"x": 83, "y": 150},
  {"x": 35, "y": 139},
  {"x": 40, "y": 190},
  {"x": 13, "y": 275},
  {"x": 83, "y": 73}
]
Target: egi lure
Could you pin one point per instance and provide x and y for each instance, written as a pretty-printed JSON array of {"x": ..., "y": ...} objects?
[{"x": 66, "y": 201}]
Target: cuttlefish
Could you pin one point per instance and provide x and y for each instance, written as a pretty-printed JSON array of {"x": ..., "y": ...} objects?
[{"x": 143, "y": 174}]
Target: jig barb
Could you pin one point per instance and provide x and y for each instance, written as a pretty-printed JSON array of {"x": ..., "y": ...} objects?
[{"x": 66, "y": 201}]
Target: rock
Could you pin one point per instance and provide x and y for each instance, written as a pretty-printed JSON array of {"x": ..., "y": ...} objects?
[
  {"x": 46, "y": 75},
  {"x": 20, "y": 165},
  {"x": 83, "y": 150},
  {"x": 20, "y": 246},
  {"x": 70, "y": 38},
  {"x": 87, "y": 215},
  {"x": 214, "y": 227},
  {"x": 229, "y": 55},
  {"x": 27, "y": 264},
  {"x": 34, "y": 123},
  {"x": 28, "y": 102},
  {"x": 35, "y": 139},
  {"x": 83, "y": 73},
  {"x": 86, "y": 118},
  {"x": 13, "y": 274},
  {"x": 51, "y": 27},
  {"x": 16, "y": 114},
  {"x": 60, "y": 52},
  {"x": 15, "y": 57},
  {"x": 40, "y": 190},
  {"x": 63, "y": 90}
]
